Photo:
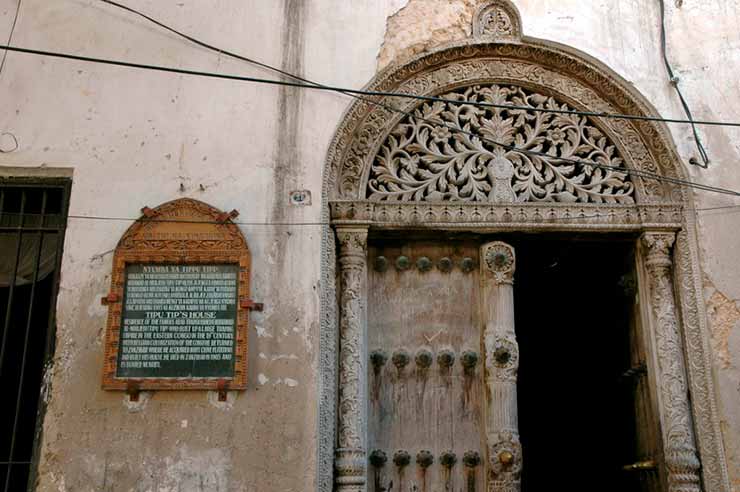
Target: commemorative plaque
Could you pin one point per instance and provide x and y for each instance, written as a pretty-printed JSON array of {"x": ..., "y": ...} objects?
[{"x": 179, "y": 301}]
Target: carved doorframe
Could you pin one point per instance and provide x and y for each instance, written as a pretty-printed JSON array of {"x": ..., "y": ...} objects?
[{"x": 663, "y": 214}]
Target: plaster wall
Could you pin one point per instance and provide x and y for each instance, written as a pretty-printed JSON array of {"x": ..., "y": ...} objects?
[{"x": 136, "y": 138}]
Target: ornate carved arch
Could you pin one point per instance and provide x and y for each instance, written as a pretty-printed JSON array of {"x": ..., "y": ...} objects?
[
  {"x": 542, "y": 67},
  {"x": 541, "y": 73}
]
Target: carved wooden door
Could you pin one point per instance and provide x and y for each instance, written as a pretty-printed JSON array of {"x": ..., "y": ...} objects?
[
  {"x": 442, "y": 371},
  {"x": 643, "y": 470}
]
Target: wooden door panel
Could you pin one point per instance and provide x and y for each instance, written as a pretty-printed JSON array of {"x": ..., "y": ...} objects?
[{"x": 428, "y": 317}]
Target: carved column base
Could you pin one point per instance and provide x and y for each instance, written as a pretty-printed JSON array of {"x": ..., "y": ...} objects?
[
  {"x": 349, "y": 466},
  {"x": 683, "y": 470},
  {"x": 503, "y": 486}
]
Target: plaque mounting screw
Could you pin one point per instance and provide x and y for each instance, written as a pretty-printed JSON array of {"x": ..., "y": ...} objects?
[
  {"x": 250, "y": 304},
  {"x": 223, "y": 388},
  {"x": 133, "y": 390},
  {"x": 224, "y": 216},
  {"x": 148, "y": 212},
  {"x": 109, "y": 299}
]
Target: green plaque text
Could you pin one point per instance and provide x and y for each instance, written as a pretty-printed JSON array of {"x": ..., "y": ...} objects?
[{"x": 178, "y": 321}]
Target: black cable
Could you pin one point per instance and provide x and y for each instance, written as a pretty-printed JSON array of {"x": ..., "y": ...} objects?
[
  {"x": 354, "y": 92},
  {"x": 644, "y": 174},
  {"x": 500, "y": 106},
  {"x": 12, "y": 30},
  {"x": 553, "y": 220},
  {"x": 723, "y": 207},
  {"x": 208, "y": 46},
  {"x": 674, "y": 81}
]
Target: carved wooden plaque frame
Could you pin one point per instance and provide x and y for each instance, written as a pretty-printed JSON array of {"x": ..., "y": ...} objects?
[{"x": 180, "y": 232}]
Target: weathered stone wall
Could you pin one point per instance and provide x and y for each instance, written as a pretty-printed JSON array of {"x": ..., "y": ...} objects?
[{"x": 138, "y": 138}]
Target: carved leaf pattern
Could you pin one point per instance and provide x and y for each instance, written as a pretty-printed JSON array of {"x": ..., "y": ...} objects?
[
  {"x": 680, "y": 452},
  {"x": 423, "y": 160},
  {"x": 496, "y": 22},
  {"x": 705, "y": 411},
  {"x": 350, "y": 422},
  {"x": 351, "y": 367}
]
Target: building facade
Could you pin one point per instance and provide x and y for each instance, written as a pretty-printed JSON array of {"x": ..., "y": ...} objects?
[{"x": 474, "y": 291}]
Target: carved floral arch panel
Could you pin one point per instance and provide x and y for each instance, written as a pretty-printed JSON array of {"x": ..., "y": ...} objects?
[
  {"x": 399, "y": 163},
  {"x": 462, "y": 151},
  {"x": 536, "y": 74}
]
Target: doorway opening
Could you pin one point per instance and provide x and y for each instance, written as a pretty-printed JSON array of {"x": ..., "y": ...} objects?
[
  {"x": 32, "y": 223},
  {"x": 585, "y": 411}
]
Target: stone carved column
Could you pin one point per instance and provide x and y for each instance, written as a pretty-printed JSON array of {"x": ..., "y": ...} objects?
[
  {"x": 502, "y": 361},
  {"x": 350, "y": 460},
  {"x": 678, "y": 437}
]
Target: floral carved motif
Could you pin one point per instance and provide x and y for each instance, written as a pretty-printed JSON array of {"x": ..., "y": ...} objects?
[
  {"x": 505, "y": 467},
  {"x": 350, "y": 459},
  {"x": 500, "y": 260},
  {"x": 462, "y": 152},
  {"x": 502, "y": 362},
  {"x": 190, "y": 224},
  {"x": 689, "y": 284},
  {"x": 680, "y": 448},
  {"x": 502, "y": 358},
  {"x": 496, "y": 23},
  {"x": 497, "y": 20}
]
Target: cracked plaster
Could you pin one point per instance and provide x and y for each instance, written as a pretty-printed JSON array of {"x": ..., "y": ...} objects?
[
  {"x": 723, "y": 317},
  {"x": 424, "y": 24}
]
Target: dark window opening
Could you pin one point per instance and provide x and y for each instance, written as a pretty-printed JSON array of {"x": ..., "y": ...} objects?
[
  {"x": 582, "y": 395},
  {"x": 32, "y": 223}
]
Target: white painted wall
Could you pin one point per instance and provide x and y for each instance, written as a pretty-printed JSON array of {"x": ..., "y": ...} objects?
[{"x": 134, "y": 137}]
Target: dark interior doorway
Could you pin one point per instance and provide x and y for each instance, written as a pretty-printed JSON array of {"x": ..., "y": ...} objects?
[{"x": 573, "y": 304}]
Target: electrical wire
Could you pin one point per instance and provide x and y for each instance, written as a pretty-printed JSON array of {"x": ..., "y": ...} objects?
[
  {"x": 343, "y": 90},
  {"x": 723, "y": 207},
  {"x": 675, "y": 81},
  {"x": 203, "y": 44},
  {"x": 296, "y": 77},
  {"x": 553, "y": 220},
  {"x": 12, "y": 30},
  {"x": 635, "y": 172},
  {"x": 351, "y": 93},
  {"x": 346, "y": 92}
]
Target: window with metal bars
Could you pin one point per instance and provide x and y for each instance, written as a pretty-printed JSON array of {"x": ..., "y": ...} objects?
[{"x": 33, "y": 217}]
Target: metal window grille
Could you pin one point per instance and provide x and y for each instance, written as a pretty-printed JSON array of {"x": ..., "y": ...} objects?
[{"x": 33, "y": 217}]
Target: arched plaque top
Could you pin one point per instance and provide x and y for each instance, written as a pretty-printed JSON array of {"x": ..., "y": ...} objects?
[
  {"x": 179, "y": 301},
  {"x": 183, "y": 225}
]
